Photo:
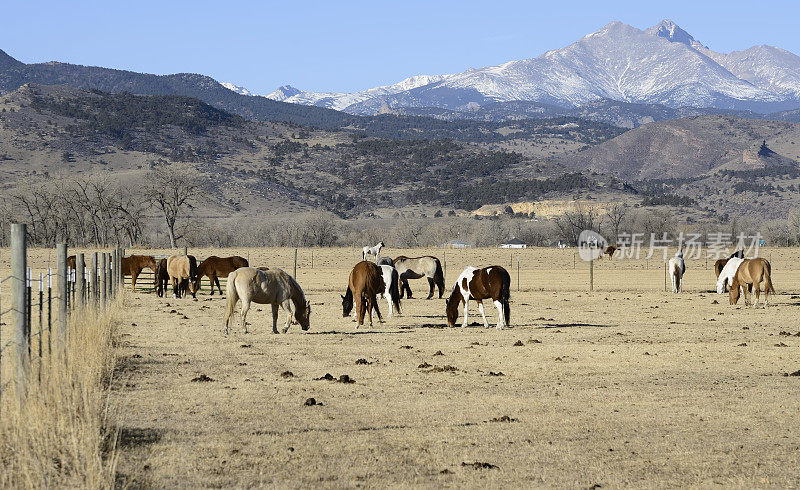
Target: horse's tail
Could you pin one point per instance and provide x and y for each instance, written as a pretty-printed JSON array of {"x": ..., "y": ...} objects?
[
  {"x": 394, "y": 290},
  {"x": 438, "y": 277},
  {"x": 505, "y": 296},
  {"x": 232, "y": 298},
  {"x": 768, "y": 279}
]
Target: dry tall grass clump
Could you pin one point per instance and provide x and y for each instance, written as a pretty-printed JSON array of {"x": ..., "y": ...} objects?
[{"x": 58, "y": 436}]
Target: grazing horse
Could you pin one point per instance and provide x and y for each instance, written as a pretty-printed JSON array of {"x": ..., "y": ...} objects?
[
  {"x": 374, "y": 251},
  {"x": 720, "y": 264},
  {"x": 391, "y": 293},
  {"x": 416, "y": 268},
  {"x": 726, "y": 274},
  {"x": 491, "y": 282},
  {"x": 677, "y": 267},
  {"x": 179, "y": 268},
  {"x": 363, "y": 286},
  {"x": 161, "y": 279},
  {"x": 213, "y": 267},
  {"x": 273, "y": 287},
  {"x": 133, "y": 265},
  {"x": 752, "y": 272},
  {"x": 610, "y": 250}
]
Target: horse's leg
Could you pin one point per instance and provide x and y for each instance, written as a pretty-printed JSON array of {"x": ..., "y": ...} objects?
[
  {"x": 288, "y": 306},
  {"x": 216, "y": 281},
  {"x": 176, "y": 288},
  {"x": 388, "y": 297},
  {"x": 275, "y": 307},
  {"x": 359, "y": 299},
  {"x": 368, "y": 302},
  {"x": 466, "y": 314},
  {"x": 245, "y": 309},
  {"x": 483, "y": 314},
  {"x": 432, "y": 284},
  {"x": 134, "y": 275},
  {"x": 501, "y": 320},
  {"x": 757, "y": 287}
]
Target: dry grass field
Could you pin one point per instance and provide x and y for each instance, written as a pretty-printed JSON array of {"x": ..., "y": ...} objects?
[{"x": 626, "y": 386}]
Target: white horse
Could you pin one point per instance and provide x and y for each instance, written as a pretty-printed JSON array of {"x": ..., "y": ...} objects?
[
  {"x": 392, "y": 292},
  {"x": 677, "y": 267},
  {"x": 273, "y": 287},
  {"x": 727, "y": 273},
  {"x": 374, "y": 251}
]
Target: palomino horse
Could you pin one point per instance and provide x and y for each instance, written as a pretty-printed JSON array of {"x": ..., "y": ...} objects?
[
  {"x": 213, "y": 267},
  {"x": 752, "y": 272},
  {"x": 677, "y": 267},
  {"x": 374, "y": 251},
  {"x": 266, "y": 287},
  {"x": 416, "y": 268},
  {"x": 364, "y": 285},
  {"x": 133, "y": 265},
  {"x": 180, "y": 268},
  {"x": 479, "y": 284}
]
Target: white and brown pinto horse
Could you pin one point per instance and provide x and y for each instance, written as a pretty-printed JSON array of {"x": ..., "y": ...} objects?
[
  {"x": 749, "y": 275},
  {"x": 725, "y": 277},
  {"x": 374, "y": 251},
  {"x": 363, "y": 286},
  {"x": 266, "y": 287},
  {"x": 493, "y": 283}
]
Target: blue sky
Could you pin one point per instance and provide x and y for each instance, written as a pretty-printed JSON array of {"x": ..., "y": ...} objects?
[{"x": 353, "y": 45}]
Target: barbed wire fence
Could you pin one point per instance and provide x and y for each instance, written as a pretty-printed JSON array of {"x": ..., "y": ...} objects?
[{"x": 39, "y": 322}]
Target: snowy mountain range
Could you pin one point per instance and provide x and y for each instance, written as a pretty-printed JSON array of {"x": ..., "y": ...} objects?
[{"x": 661, "y": 65}]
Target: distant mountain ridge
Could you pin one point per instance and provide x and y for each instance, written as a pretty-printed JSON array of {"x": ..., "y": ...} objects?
[{"x": 662, "y": 65}]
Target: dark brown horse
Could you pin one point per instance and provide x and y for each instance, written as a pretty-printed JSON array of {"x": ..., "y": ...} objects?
[
  {"x": 365, "y": 283},
  {"x": 610, "y": 250},
  {"x": 493, "y": 283},
  {"x": 133, "y": 265},
  {"x": 213, "y": 267}
]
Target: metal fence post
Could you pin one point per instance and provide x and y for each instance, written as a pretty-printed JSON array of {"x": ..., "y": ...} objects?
[
  {"x": 61, "y": 284},
  {"x": 18, "y": 268},
  {"x": 80, "y": 292}
]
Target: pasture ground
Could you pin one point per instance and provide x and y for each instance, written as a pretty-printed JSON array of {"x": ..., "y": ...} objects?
[{"x": 623, "y": 386}]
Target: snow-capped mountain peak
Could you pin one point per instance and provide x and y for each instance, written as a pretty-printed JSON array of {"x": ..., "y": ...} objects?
[
  {"x": 660, "y": 65},
  {"x": 236, "y": 88}
]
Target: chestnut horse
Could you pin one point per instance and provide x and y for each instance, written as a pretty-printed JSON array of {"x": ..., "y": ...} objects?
[
  {"x": 213, "y": 267},
  {"x": 133, "y": 265},
  {"x": 491, "y": 282},
  {"x": 610, "y": 250},
  {"x": 364, "y": 284},
  {"x": 752, "y": 272}
]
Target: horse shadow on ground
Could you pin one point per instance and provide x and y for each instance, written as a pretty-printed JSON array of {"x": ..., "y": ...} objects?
[
  {"x": 570, "y": 325},
  {"x": 357, "y": 332},
  {"x": 130, "y": 437}
]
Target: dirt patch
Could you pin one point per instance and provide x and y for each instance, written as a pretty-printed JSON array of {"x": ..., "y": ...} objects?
[
  {"x": 287, "y": 374},
  {"x": 202, "y": 379},
  {"x": 479, "y": 465},
  {"x": 362, "y": 361},
  {"x": 504, "y": 418}
]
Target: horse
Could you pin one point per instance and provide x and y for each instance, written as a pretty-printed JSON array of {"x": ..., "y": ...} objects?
[
  {"x": 274, "y": 287},
  {"x": 375, "y": 251},
  {"x": 213, "y": 267},
  {"x": 677, "y": 267},
  {"x": 179, "y": 268},
  {"x": 391, "y": 293},
  {"x": 720, "y": 264},
  {"x": 610, "y": 250},
  {"x": 363, "y": 286},
  {"x": 491, "y": 282},
  {"x": 133, "y": 265},
  {"x": 416, "y": 268},
  {"x": 752, "y": 272},
  {"x": 161, "y": 280},
  {"x": 385, "y": 261},
  {"x": 726, "y": 274}
]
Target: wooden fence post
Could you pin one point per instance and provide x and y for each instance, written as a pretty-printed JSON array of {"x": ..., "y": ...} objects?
[
  {"x": 61, "y": 284},
  {"x": 517, "y": 272},
  {"x": 19, "y": 267},
  {"x": 93, "y": 279},
  {"x": 665, "y": 276},
  {"x": 80, "y": 290},
  {"x": 103, "y": 277},
  {"x": 591, "y": 274},
  {"x": 295, "y": 263}
]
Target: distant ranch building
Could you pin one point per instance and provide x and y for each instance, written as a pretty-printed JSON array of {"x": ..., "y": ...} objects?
[{"x": 514, "y": 243}]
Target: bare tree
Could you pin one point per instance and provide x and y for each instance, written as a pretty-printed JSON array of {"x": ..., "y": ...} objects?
[
  {"x": 320, "y": 230},
  {"x": 573, "y": 222},
  {"x": 171, "y": 189},
  {"x": 616, "y": 214}
]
